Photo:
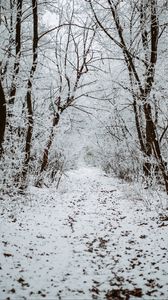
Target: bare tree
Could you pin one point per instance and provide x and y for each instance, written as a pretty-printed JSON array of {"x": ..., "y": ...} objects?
[
  {"x": 72, "y": 63},
  {"x": 143, "y": 33}
]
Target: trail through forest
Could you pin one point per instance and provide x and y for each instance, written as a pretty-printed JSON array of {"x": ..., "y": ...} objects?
[{"x": 90, "y": 239}]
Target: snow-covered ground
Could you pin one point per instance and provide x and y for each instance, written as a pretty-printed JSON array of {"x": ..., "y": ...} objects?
[{"x": 93, "y": 238}]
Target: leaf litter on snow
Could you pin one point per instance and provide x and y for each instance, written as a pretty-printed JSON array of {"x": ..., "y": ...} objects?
[{"x": 90, "y": 239}]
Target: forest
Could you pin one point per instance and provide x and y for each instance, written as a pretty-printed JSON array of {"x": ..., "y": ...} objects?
[
  {"x": 83, "y": 115},
  {"x": 94, "y": 72}
]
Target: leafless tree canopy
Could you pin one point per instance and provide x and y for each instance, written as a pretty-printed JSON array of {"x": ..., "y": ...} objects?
[{"x": 103, "y": 61}]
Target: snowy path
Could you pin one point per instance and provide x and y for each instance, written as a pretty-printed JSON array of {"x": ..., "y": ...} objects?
[{"x": 87, "y": 241}]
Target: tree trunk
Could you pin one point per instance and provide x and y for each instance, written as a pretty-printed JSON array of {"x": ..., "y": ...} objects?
[
  {"x": 29, "y": 133},
  {"x": 49, "y": 143},
  {"x": 153, "y": 147},
  {"x": 29, "y": 93},
  {"x": 2, "y": 116},
  {"x": 17, "y": 50}
]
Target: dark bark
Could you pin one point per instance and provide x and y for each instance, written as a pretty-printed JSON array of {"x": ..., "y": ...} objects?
[
  {"x": 29, "y": 92},
  {"x": 2, "y": 116},
  {"x": 49, "y": 143},
  {"x": 17, "y": 50},
  {"x": 138, "y": 127},
  {"x": 153, "y": 147},
  {"x": 29, "y": 131},
  {"x": 152, "y": 143}
]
